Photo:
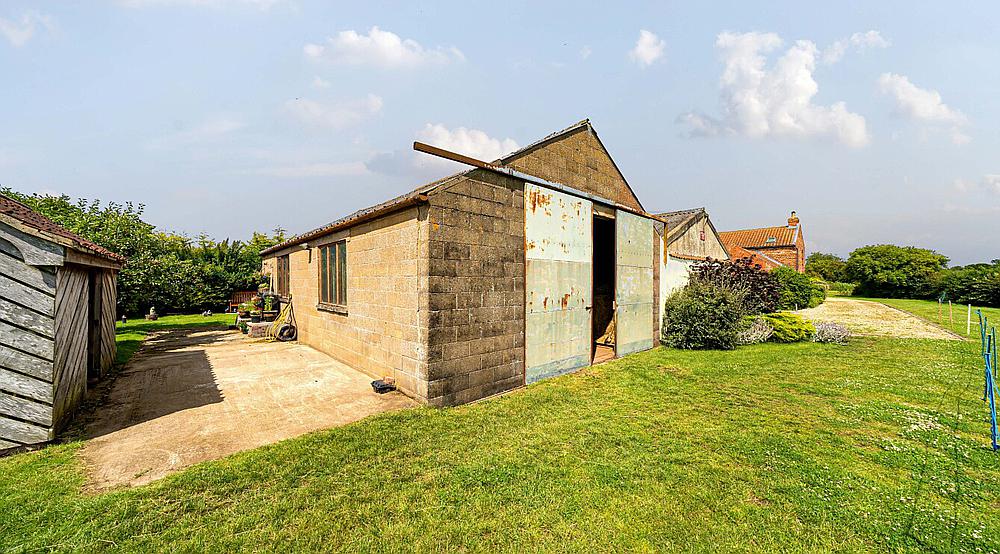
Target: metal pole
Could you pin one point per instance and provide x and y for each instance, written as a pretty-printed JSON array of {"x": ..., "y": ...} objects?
[
  {"x": 951, "y": 315},
  {"x": 968, "y": 322}
]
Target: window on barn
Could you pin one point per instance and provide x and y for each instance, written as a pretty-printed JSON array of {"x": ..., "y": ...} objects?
[
  {"x": 282, "y": 276},
  {"x": 333, "y": 274}
]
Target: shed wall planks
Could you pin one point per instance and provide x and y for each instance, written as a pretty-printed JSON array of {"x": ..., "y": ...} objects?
[
  {"x": 34, "y": 412},
  {"x": 70, "y": 368},
  {"x": 107, "y": 315},
  {"x": 20, "y": 280}
]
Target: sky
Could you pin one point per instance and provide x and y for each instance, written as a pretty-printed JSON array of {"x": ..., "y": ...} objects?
[{"x": 878, "y": 122}]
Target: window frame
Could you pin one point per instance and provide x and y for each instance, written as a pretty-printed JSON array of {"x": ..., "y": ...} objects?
[
  {"x": 282, "y": 276},
  {"x": 331, "y": 279}
]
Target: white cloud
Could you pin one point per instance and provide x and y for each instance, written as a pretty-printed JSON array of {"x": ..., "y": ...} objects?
[
  {"x": 585, "y": 52},
  {"x": 917, "y": 103},
  {"x": 648, "y": 49},
  {"x": 319, "y": 82},
  {"x": 859, "y": 41},
  {"x": 765, "y": 102},
  {"x": 379, "y": 48},
  {"x": 259, "y": 4},
  {"x": 923, "y": 105},
  {"x": 992, "y": 182},
  {"x": 470, "y": 142},
  {"x": 313, "y": 170},
  {"x": 335, "y": 116},
  {"x": 19, "y": 31}
]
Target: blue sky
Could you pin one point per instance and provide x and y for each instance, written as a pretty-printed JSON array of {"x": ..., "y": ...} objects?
[{"x": 877, "y": 122}]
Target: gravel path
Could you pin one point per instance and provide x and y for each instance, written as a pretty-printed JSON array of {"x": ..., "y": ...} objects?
[{"x": 863, "y": 317}]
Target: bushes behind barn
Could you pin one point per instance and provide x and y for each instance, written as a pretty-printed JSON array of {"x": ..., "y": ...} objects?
[{"x": 727, "y": 303}]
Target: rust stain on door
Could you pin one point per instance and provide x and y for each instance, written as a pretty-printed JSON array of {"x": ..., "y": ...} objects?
[{"x": 558, "y": 282}]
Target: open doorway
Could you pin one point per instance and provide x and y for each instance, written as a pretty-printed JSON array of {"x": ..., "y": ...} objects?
[{"x": 603, "y": 313}]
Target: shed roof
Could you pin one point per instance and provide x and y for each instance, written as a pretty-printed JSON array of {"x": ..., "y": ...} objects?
[
  {"x": 680, "y": 221},
  {"x": 44, "y": 227}
]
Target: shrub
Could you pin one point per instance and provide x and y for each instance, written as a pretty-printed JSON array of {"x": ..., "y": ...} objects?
[
  {"x": 839, "y": 289},
  {"x": 755, "y": 330},
  {"x": 789, "y": 327},
  {"x": 797, "y": 290},
  {"x": 702, "y": 315},
  {"x": 831, "y": 332},
  {"x": 758, "y": 289}
]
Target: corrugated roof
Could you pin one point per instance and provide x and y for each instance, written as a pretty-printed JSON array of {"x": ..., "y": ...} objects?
[
  {"x": 38, "y": 222},
  {"x": 679, "y": 221},
  {"x": 764, "y": 237}
]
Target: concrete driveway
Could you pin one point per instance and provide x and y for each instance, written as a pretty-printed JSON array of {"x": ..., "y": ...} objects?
[{"x": 191, "y": 396}]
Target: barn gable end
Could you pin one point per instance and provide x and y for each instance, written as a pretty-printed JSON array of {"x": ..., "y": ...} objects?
[{"x": 575, "y": 157}]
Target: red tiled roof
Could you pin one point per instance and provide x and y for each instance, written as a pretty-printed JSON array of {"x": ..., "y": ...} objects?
[
  {"x": 737, "y": 252},
  {"x": 758, "y": 238},
  {"x": 39, "y": 222}
]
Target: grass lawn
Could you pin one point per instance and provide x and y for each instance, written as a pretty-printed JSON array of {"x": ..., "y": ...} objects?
[
  {"x": 877, "y": 445},
  {"x": 129, "y": 336}
]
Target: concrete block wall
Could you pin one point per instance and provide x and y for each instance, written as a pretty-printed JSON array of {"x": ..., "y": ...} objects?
[
  {"x": 384, "y": 332},
  {"x": 579, "y": 161},
  {"x": 476, "y": 289}
]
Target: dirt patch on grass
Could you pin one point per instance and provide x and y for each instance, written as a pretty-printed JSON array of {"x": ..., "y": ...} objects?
[{"x": 867, "y": 318}]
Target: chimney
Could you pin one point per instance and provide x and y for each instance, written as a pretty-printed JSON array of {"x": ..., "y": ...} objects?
[{"x": 794, "y": 220}]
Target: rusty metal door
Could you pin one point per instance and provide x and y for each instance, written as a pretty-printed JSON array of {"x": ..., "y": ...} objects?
[
  {"x": 634, "y": 283},
  {"x": 558, "y": 251}
]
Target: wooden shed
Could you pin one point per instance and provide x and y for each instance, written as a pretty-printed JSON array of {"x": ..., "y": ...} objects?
[{"x": 57, "y": 322}]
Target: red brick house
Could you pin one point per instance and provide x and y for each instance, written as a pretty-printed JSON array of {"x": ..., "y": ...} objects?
[{"x": 771, "y": 247}]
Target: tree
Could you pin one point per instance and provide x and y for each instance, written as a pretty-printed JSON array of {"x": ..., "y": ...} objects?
[
  {"x": 165, "y": 270},
  {"x": 891, "y": 271},
  {"x": 828, "y": 267}
]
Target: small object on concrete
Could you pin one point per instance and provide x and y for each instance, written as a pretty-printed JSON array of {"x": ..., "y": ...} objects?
[
  {"x": 381, "y": 387},
  {"x": 257, "y": 330},
  {"x": 389, "y": 380}
]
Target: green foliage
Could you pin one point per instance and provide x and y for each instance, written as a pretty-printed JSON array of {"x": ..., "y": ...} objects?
[
  {"x": 789, "y": 327},
  {"x": 891, "y": 271},
  {"x": 839, "y": 289},
  {"x": 977, "y": 284},
  {"x": 703, "y": 315},
  {"x": 168, "y": 271},
  {"x": 754, "y": 329},
  {"x": 798, "y": 290},
  {"x": 758, "y": 289},
  {"x": 828, "y": 267}
]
